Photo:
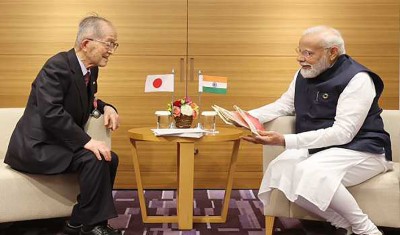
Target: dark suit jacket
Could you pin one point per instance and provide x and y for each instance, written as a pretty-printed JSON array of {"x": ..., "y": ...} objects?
[{"x": 51, "y": 128}]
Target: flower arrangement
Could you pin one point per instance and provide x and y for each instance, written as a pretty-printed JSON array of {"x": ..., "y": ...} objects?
[
  {"x": 184, "y": 112},
  {"x": 184, "y": 107}
]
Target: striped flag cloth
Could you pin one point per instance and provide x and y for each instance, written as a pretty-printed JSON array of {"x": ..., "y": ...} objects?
[
  {"x": 159, "y": 83},
  {"x": 213, "y": 84}
]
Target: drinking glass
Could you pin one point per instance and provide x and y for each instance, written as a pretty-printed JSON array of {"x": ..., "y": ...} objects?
[
  {"x": 208, "y": 121},
  {"x": 163, "y": 119}
]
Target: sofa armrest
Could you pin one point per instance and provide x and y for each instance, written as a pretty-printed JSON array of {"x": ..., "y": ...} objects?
[
  {"x": 8, "y": 119},
  {"x": 391, "y": 121},
  {"x": 96, "y": 129},
  {"x": 283, "y": 125}
]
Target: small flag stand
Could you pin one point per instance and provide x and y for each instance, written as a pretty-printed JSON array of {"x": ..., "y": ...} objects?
[
  {"x": 199, "y": 103},
  {"x": 172, "y": 124},
  {"x": 172, "y": 94}
]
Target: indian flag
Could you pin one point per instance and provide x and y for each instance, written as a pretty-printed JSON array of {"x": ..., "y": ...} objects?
[{"x": 213, "y": 84}]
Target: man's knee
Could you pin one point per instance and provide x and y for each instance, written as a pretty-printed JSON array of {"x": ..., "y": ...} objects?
[{"x": 91, "y": 160}]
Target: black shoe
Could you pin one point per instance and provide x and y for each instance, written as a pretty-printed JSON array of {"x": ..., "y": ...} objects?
[
  {"x": 101, "y": 230},
  {"x": 71, "y": 230}
]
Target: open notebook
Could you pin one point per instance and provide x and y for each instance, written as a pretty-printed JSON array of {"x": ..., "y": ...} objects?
[{"x": 240, "y": 118}]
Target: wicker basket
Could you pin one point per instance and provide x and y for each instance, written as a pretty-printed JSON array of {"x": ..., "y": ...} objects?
[{"x": 183, "y": 121}]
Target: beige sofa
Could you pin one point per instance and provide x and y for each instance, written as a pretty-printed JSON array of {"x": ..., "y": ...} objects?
[
  {"x": 379, "y": 197},
  {"x": 27, "y": 196}
]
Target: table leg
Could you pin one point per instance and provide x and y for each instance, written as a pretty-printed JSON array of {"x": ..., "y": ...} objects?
[
  {"x": 177, "y": 174},
  {"x": 140, "y": 192},
  {"x": 229, "y": 184},
  {"x": 185, "y": 185},
  {"x": 228, "y": 190}
]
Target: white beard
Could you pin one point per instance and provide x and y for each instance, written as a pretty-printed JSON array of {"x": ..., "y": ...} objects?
[{"x": 316, "y": 69}]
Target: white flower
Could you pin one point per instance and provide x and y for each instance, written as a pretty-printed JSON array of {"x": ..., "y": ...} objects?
[{"x": 186, "y": 110}]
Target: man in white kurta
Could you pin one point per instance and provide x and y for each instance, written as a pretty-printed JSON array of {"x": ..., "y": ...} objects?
[{"x": 317, "y": 180}]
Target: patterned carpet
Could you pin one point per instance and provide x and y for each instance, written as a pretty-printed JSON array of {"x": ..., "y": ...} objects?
[
  {"x": 245, "y": 212},
  {"x": 244, "y": 217}
]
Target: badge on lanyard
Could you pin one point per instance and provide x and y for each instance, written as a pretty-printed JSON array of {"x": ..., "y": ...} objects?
[{"x": 95, "y": 113}]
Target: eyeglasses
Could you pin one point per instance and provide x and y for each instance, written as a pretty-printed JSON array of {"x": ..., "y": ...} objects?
[
  {"x": 110, "y": 45},
  {"x": 306, "y": 53}
]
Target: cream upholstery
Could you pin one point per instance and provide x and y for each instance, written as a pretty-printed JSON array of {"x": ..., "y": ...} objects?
[
  {"x": 379, "y": 197},
  {"x": 27, "y": 196}
]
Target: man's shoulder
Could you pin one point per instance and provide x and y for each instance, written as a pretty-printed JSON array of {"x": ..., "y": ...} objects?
[
  {"x": 60, "y": 60},
  {"x": 63, "y": 55}
]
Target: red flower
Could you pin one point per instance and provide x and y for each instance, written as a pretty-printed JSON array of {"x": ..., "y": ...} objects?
[{"x": 177, "y": 103}]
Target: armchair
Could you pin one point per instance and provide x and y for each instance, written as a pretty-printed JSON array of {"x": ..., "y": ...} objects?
[
  {"x": 29, "y": 196},
  {"x": 379, "y": 197}
]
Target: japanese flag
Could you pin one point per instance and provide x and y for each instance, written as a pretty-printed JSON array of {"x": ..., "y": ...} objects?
[{"x": 159, "y": 83}]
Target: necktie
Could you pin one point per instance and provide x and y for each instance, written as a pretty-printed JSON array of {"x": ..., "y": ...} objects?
[{"x": 87, "y": 78}]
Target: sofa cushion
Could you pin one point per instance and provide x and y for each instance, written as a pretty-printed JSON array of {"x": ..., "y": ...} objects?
[{"x": 31, "y": 196}]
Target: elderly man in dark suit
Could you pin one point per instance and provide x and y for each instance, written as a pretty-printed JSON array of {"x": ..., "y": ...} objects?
[{"x": 49, "y": 138}]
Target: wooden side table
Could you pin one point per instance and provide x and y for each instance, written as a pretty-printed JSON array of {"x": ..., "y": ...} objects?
[{"x": 185, "y": 174}]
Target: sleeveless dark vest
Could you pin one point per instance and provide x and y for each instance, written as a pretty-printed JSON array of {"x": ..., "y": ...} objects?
[{"x": 316, "y": 100}]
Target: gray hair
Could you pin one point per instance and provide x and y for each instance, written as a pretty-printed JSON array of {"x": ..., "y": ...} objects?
[
  {"x": 331, "y": 37},
  {"x": 90, "y": 27}
]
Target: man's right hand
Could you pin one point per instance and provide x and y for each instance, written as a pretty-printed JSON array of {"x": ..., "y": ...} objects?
[
  {"x": 266, "y": 138},
  {"x": 99, "y": 148}
]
